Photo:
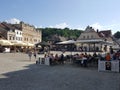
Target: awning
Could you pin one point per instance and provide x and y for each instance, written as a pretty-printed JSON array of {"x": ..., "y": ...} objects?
[
  {"x": 67, "y": 42},
  {"x": 95, "y": 41},
  {"x": 43, "y": 43},
  {"x": 18, "y": 43},
  {"x": 30, "y": 44},
  {"x": 90, "y": 41},
  {"x": 5, "y": 43}
]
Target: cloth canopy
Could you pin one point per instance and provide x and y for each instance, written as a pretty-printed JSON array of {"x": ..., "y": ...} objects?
[
  {"x": 90, "y": 41},
  {"x": 18, "y": 43},
  {"x": 95, "y": 41},
  {"x": 67, "y": 42},
  {"x": 5, "y": 43},
  {"x": 43, "y": 43},
  {"x": 30, "y": 44}
]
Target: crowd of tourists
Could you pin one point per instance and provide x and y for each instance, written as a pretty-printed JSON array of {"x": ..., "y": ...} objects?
[
  {"x": 83, "y": 58},
  {"x": 55, "y": 59}
]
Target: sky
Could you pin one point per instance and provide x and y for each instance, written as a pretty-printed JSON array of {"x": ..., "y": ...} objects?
[{"x": 74, "y": 14}]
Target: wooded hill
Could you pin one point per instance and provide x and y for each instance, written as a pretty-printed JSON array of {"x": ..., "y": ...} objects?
[
  {"x": 47, "y": 33},
  {"x": 66, "y": 32}
]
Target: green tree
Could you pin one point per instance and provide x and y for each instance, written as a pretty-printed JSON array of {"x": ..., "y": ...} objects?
[
  {"x": 117, "y": 35},
  {"x": 66, "y": 32}
]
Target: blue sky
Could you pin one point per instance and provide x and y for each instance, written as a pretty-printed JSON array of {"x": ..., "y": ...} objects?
[{"x": 101, "y": 14}]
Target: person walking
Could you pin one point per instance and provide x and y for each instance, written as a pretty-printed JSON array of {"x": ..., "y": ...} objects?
[{"x": 30, "y": 54}]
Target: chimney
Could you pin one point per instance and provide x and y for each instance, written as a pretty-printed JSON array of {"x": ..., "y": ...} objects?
[{"x": 97, "y": 30}]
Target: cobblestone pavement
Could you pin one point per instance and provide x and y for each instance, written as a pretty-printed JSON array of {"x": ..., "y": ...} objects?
[{"x": 17, "y": 72}]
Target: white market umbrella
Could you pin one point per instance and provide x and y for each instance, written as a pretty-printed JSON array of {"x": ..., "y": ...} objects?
[
  {"x": 30, "y": 44},
  {"x": 67, "y": 42},
  {"x": 5, "y": 43},
  {"x": 18, "y": 43}
]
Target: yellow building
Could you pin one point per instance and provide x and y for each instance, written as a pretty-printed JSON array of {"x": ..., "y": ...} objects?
[
  {"x": 30, "y": 34},
  {"x": 22, "y": 35}
]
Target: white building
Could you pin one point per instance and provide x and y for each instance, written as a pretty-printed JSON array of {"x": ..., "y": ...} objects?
[{"x": 91, "y": 40}]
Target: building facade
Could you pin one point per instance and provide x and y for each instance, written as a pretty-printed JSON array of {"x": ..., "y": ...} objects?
[
  {"x": 91, "y": 40},
  {"x": 30, "y": 34},
  {"x": 22, "y": 36},
  {"x": 20, "y": 32},
  {"x": 7, "y": 31}
]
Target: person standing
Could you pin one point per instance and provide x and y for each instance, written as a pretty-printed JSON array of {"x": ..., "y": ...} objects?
[
  {"x": 108, "y": 57},
  {"x": 62, "y": 59},
  {"x": 35, "y": 54}
]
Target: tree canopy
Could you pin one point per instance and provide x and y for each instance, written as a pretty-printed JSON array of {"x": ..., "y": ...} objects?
[
  {"x": 117, "y": 35},
  {"x": 66, "y": 32}
]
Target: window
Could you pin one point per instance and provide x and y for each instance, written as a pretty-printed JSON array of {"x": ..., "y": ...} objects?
[
  {"x": 83, "y": 37},
  {"x": 24, "y": 39},
  {"x": 30, "y": 39},
  {"x": 91, "y": 36},
  {"x": 87, "y": 37},
  {"x": 13, "y": 38},
  {"x": 19, "y": 38},
  {"x": 10, "y": 38}
]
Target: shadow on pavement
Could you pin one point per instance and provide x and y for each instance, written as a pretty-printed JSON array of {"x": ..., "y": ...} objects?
[{"x": 61, "y": 77}]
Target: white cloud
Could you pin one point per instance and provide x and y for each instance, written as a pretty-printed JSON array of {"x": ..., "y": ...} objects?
[
  {"x": 13, "y": 21},
  {"x": 61, "y": 25},
  {"x": 113, "y": 27},
  {"x": 39, "y": 26},
  {"x": 97, "y": 26},
  {"x": 64, "y": 25},
  {"x": 79, "y": 27}
]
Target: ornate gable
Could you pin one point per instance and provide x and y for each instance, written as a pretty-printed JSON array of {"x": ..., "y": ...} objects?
[
  {"x": 89, "y": 29},
  {"x": 88, "y": 34}
]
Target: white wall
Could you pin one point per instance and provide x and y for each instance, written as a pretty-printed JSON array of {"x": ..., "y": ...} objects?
[{"x": 18, "y": 35}]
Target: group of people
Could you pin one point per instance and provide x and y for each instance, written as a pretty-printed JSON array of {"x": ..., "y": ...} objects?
[
  {"x": 113, "y": 56},
  {"x": 61, "y": 59},
  {"x": 82, "y": 58},
  {"x": 55, "y": 59},
  {"x": 85, "y": 58}
]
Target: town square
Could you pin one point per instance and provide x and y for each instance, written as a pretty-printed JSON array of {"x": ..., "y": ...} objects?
[
  {"x": 18, "y": 73},
  {"x": 60, "y": 45}
]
